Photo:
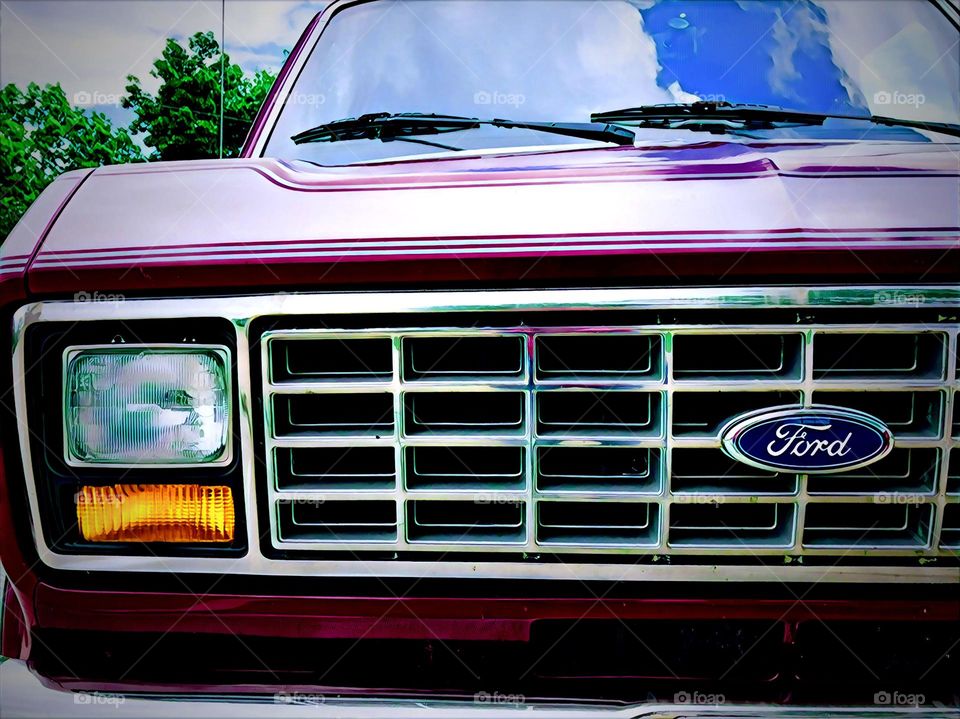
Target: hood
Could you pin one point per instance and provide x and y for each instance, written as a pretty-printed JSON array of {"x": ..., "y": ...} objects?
[{"x": 666, "y": 214}]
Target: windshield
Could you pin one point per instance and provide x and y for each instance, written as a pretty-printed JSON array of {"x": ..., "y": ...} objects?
[{"x": 561, "y": 60}]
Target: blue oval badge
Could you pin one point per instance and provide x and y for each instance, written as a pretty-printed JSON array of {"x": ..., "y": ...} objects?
[{"x": 812, "y": 440}]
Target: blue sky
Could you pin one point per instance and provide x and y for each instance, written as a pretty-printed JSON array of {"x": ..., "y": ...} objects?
[{"x": 90, "y": 46}]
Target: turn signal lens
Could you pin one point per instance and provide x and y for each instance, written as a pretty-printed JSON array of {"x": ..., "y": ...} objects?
[{"x": 155, "y": 513}]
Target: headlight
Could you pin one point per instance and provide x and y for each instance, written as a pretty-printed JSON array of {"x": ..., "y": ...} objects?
[{"x": 143, "y": 405}]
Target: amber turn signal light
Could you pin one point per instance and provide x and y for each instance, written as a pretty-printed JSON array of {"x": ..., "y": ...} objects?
[{"x": 155, "y": 513}]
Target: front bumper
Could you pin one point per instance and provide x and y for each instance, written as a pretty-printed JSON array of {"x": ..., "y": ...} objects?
[{"x": 23, "y": 695}]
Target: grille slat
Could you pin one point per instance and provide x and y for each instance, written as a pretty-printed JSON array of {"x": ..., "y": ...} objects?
[
  {"x": 598, "y": 413},
  {"x": 525, "y": 442},
  {"x": 599, "y": 469},
  {"x": 732, "y": 525},
  {"x": 342, "y": 359},
  {"x": 363, "y": 414},
  {"x": 598, "y": 523},
  {"x": 331, "y": 468},
  {"x": 879, "y": 355},
  {"x": 737, "y": 356},
  {"x": 463, "y": 357},
  {"x": 703, "y": 414},
  {"x": 433, "y": 413},
  {"x": 338, "y": 521},
  {"x": 469, "y": 468},
  {"x": 466, "y": 522},
  {"x": 868, "y": 525}
]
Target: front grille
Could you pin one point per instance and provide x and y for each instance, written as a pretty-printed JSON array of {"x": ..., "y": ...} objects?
[{"x": 600, "y": 441}]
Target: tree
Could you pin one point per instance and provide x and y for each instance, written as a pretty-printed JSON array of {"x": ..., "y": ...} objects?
[
  {"x": 41, "y": 136},
  {"x": 182, "y": 121}
]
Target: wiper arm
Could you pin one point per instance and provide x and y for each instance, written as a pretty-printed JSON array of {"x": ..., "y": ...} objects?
[
  {"x": 387, "y": 127},
  {"x": 715, "y": 116}
]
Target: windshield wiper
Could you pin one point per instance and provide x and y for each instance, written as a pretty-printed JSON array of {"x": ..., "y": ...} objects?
[
  {"x": 718, "y": 117},
  {"x": 407, "y": 126}
]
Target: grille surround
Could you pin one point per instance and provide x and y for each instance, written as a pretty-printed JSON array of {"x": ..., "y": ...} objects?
[
  {"x": 651, "y": 389},
  {"x": 863, "y": 306}
]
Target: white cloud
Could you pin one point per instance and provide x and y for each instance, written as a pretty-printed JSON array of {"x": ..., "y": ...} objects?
[{"x": 899, "y": 50}]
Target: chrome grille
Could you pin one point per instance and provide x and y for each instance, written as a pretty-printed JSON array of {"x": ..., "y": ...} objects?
[{"x": 529, "y": 442}]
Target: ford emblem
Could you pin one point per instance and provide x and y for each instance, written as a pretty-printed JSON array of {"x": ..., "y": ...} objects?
[{"x": 813, "y": 440}]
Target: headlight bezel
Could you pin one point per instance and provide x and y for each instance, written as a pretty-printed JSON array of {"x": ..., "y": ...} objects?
[
  {"x": 54, "y": 482},
  {"x": 74, "y": 352}
]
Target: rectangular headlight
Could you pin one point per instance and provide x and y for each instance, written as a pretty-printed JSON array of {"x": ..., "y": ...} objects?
[{"x": 147, "y": 405}]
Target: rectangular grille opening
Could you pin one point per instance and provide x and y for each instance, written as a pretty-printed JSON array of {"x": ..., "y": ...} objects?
[
  {"x": 710, "y": 471},
  {"x": 704, "y": 414},
  {"x": 737, "y": 356},
  {"x": 494, "y": 468},
  {"x": 868, "y": 525},
  {"x": 463, "y": 358},
  {"x": 598, "y": 469},
  {"x": 310, "y": 360},
  {"x": 903, "y": 470},
  {"x": 599, "y": 357},
  {"x": 732, "y": 525},
  {"x": 907, "y": 414},
  {"x": 466, "y": 522},
  {"x": 338, "y": 521},
  {"x": 878, "y": 355},
  {"x": 593, "y": 412},
  {"x": 328, "y": 468},
  {"x": 950, "y": 532},
  {"x": 463, "y": 412},
  {"x": 349, "y": 414},
  {"x": 604, "y": 523}
]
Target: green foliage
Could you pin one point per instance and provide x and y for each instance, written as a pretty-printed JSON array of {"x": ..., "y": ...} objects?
[
  {"x": 42, "y": 136},
  {"x": 182, "y": 121}
]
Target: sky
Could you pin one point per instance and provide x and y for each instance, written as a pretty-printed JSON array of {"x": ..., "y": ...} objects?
[{"x": 90, "y": 46}]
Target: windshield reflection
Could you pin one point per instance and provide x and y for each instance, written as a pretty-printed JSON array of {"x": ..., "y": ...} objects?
[{"x": 561, "y": 60}]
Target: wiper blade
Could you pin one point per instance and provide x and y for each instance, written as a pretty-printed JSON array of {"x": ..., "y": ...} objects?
[
  {"x": 715, "y": 116},
  {"x": 387, "y": 127},
  {"x": 709, "y": 110}
]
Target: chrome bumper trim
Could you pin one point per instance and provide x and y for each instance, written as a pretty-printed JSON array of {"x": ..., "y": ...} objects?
[{"x": 24, "y": 695}]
